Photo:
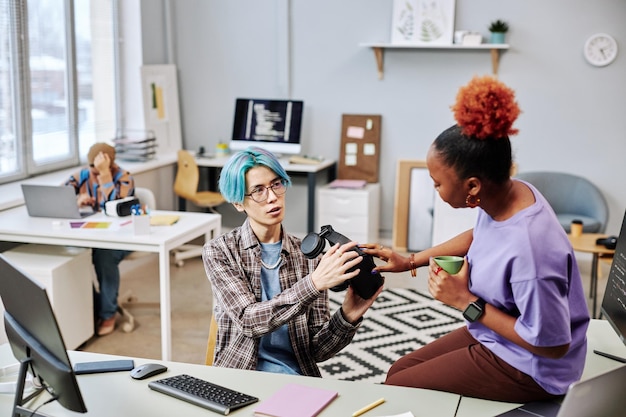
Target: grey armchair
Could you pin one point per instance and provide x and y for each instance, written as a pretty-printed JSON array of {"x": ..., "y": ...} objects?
[{"x": 571, "y": 197}]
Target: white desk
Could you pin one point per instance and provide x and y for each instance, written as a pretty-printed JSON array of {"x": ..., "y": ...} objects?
[
  {"x": 214, "y": 164},
  {"x": 17, "y": 226},
  {"x": 600, "y": 336},
  {"x": 116, "y": 394}
]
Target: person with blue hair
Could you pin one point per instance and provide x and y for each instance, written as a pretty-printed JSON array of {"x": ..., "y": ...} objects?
[{"x": 271, "y": 302}]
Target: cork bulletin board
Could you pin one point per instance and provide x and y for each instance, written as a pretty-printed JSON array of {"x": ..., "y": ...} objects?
[{"x": 360, "y": 147}]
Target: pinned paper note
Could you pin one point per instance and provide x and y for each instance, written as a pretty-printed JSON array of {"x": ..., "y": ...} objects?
[
  {"x": 355, "y": 132},
  {"x": 369, "y": 149}
]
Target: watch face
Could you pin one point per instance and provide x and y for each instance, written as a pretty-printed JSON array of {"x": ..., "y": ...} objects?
[
  {"x": 472, "y": 312},
  {"x": 600, "y": 49}
]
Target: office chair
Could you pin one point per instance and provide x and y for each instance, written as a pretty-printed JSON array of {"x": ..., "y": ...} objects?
[
  {"x": 146, "y": 197},
  {"x": 571, "y": 197},
  {"x": 186, "y": 187}
]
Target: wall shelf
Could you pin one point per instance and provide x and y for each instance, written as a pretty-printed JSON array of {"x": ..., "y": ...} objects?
[{"x": 379, "y": 49}]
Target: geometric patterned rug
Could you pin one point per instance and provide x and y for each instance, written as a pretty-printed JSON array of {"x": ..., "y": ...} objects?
[{"x": 400, "y": 321}]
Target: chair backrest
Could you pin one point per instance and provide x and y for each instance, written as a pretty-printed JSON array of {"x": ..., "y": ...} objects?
[
  {"x": 212, "y": 340},
  {"x": 146, "y": 197},
  {"x": 187, "y": 176},
  {"x": 571, "y": 196}
]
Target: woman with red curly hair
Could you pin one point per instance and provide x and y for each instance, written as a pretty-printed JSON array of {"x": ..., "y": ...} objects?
[{"x": 519, "y": 288}]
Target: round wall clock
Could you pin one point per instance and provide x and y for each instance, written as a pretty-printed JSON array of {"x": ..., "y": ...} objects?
[{"x": 600, "y": 49}]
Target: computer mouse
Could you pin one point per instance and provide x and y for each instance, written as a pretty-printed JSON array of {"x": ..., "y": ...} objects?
[{"x": 147, "y": 370}]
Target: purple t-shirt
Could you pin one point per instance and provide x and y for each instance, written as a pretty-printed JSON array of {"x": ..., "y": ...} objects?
[{"x": 526, "y": 267}]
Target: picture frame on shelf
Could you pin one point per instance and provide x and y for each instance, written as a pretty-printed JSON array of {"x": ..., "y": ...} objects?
[{"x": 423, "y": 22}]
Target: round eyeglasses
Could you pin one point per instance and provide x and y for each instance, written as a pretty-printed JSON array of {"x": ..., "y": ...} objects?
[{"x": 260, "y": 193}]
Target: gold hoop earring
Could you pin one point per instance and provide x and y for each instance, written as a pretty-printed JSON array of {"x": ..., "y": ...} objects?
[{"x": 472, "y": 201}]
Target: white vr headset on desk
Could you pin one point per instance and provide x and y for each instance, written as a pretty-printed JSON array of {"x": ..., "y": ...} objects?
[{"x": 121, "y": 207}]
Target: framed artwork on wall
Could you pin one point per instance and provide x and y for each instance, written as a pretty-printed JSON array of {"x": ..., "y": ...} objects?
[
  {"x": 160, "y": 105},
  {"x": 422, "y": 22}
]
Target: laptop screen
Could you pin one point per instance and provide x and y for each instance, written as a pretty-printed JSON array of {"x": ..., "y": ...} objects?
[
  {"x": 614, "y": 301},
  {"x": 54, "y": 201}
]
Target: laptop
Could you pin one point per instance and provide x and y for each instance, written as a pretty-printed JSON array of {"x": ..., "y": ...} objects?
[
  {"x": 601, "y": 395},
  {"x": 56, "y": 201}
]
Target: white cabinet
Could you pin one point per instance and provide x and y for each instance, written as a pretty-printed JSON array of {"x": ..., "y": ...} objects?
[
  {"x": 355, "y": 213},
  {"x": 67, "y": 274}
]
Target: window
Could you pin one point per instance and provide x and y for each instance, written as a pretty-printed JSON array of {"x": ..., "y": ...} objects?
[{"x": 57, "y": 83}]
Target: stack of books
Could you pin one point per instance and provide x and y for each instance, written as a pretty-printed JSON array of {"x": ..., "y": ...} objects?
[{"x": 139, "y": 146}]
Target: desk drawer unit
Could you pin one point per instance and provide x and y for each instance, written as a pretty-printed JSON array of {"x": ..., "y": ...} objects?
[
  {"x": 67, "y": 274},
  {"x": 352, "y": 212}
]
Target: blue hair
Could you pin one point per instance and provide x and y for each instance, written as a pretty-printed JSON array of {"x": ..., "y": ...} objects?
[{"x": 232, "y": 182}]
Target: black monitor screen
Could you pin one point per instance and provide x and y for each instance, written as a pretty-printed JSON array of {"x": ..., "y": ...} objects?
[
  {"x": 34, "y": 335},
  {"x": 614, "y": 301},
  {"x": 271, "y": 124}
]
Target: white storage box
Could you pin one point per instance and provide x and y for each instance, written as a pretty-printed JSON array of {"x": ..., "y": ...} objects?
[{"x": 67, "y": 274}]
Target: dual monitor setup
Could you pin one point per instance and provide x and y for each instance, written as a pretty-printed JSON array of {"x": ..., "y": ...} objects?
[{"x": 37, "y": 343}]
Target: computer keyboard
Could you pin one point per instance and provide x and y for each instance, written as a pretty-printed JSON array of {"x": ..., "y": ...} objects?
[{"x": 202, "y": 393}]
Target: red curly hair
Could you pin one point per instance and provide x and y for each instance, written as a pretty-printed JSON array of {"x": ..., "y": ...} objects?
[{"x": 486, "y": 108}]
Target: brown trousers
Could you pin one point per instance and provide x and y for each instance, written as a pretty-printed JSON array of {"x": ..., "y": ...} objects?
[{"x": 459, "y": 364}]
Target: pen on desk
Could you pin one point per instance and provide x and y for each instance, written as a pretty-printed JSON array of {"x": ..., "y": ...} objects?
[
  {"x": 126, "y": 222},
  {"x": 608, "y": 355},
  {"x": 368, "y": 407}
]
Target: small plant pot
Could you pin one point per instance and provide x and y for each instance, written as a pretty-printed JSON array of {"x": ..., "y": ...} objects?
[{"x": 497, "y": 37}]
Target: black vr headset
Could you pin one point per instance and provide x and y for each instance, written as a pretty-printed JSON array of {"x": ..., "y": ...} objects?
[{"x": 366, "y": 283}]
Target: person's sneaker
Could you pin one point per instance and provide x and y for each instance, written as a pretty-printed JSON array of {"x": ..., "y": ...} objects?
[{"x": 106, "y": 326}]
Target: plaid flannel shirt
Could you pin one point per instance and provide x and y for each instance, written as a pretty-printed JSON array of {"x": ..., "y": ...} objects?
[{"x": 233, "y": 266}]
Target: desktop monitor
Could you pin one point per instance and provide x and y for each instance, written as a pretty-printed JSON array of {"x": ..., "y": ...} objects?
[
  {"x": 274, "y": 125},
  {"x": 614, "y": 301},
  {"x": 36, "y": 341}
]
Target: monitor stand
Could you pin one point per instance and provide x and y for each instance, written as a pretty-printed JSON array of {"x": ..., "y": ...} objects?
[{"x": 18, "y": 409}]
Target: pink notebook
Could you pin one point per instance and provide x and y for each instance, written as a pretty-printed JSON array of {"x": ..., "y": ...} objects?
[
  {"x": 295, "y": 400},
  {"x": 354, "y": 184}
]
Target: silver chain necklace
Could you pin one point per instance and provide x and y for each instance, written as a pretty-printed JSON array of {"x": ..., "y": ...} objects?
[
  {"x": 276, "y": 265},
  {"x": 270, "y": 249}
]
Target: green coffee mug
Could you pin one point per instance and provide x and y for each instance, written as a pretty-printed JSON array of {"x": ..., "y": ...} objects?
[{"x": 450, "y": 264}]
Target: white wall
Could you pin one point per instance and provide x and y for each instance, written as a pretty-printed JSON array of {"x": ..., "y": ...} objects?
[{"x": 573, "y": 119}]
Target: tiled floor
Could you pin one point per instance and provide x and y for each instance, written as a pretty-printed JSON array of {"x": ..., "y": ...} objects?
[{"x": 191, "y": 307}]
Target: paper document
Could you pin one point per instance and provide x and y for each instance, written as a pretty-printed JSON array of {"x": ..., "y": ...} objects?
[{"x": 163, "y": 219}]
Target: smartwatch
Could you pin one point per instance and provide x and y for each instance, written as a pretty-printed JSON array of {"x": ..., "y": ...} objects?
[{"x": 474, "y": 310}]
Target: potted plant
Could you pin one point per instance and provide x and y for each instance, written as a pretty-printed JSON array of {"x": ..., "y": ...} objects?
[{"x": 498, "y": 29}]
